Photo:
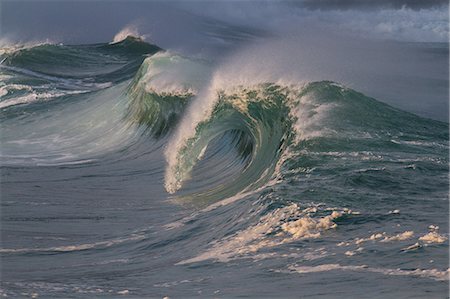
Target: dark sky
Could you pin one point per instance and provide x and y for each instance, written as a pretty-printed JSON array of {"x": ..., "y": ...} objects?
[{"x": 370, "y": 4}]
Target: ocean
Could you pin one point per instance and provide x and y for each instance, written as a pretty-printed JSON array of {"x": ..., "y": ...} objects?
[{"x": 128, "y": 170}]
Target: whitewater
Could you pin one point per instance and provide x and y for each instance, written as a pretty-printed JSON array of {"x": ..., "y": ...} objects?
[{"x": 135, "y": 171}]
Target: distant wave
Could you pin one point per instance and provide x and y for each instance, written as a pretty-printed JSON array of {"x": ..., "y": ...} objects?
[{"x": 126, "y": 32}]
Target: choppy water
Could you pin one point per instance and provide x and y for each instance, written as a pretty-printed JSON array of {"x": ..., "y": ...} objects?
[{"x": 128, "y": 170}]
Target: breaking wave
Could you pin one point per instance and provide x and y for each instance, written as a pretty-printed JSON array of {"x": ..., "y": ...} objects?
[{"x": 213, "y": 135}]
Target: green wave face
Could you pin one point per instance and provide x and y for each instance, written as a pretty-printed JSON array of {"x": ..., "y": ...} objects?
[{"x": 257, "y": 119}]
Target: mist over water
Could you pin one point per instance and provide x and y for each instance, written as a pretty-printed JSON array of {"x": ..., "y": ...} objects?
[
  {"x": 396, "y": 53},
  {"x": 206, "y": 149}
]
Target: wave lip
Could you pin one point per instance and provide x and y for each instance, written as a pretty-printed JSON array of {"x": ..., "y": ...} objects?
[{"x": 127, "y": 32}]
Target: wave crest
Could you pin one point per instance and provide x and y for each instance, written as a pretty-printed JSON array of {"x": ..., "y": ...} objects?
[
  {"x": 128, "y": 31},
  {"x": 256, "y": 120}
]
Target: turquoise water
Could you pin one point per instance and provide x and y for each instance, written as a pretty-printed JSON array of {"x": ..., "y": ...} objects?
[{"x": 128, "y": 170}]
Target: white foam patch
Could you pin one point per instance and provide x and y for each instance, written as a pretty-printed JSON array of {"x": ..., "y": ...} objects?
[
  {"x": 307, "y": 227},
  {"x": 433, "y": 236},
  {"x": 382, "y": 237},
  {"x": 399, "y": 237},
  {"x": 426, "y": 273},
  {"x": 281, "y": 226}
]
